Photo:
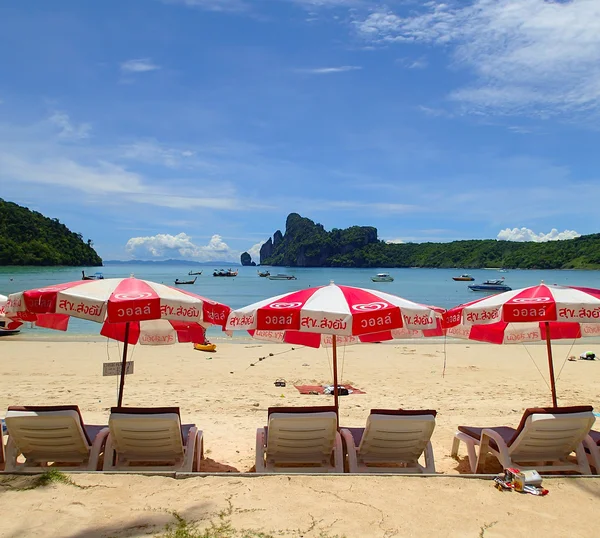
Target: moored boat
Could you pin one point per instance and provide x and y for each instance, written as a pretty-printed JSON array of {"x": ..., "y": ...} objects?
[
  {"x": 263, "y": 273},
  {"x": 222, "y": 272},
  {"x": 382, "y": 277},
  {"x": 463, "y": 278},
  {"x": 281, "y": 276},
  {"x": 191, "y": 273},
  {"x": 179, "y": 282},
  {"x": 495, "y": 284},
  {"x": 96, "y": 276}
]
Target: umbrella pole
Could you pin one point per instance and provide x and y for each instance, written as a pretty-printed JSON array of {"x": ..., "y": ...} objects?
[
  {"x": 335, "y": 381},
  {"x": 123, "y": 366},
  {"x": 551, "y": 365}
]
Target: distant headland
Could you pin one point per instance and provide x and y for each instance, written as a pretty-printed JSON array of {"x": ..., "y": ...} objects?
[
  {"x": 29, "y": 238},
  {"x": 306, "y": 244}
]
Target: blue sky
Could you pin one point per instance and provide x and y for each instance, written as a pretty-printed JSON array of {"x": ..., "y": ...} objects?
[{"x": 192, "y": 128}]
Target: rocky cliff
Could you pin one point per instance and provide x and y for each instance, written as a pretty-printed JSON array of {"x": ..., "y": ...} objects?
[{"x": 306, "y": 244}]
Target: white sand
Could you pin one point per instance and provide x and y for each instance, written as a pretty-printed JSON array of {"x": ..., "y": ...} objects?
[
  {"x": 228, "y": 399},
  {"x": 299, "y": 506}
]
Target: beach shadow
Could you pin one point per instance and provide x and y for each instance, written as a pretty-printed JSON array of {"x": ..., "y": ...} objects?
[
  {"x": 491, "y": 466},
  {"x": 208, "y": 465},
  {"x": 148, "y": 523}
]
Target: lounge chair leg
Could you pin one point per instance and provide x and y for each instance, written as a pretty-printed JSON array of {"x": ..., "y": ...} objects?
[
  {"x": 199, "y": 456},
  {"x": 429, "y": 461},
  {"x": 12, "y": 453},
  {"x": 582, "y": 460},
  {"x": 455, "y": 445},
  {"x": 472, "y": 455},
  {"x": 260, "y": 451},
  {"x": 483, "y": 451}
]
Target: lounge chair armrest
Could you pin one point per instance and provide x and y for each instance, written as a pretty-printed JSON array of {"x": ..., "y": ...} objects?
[
  {"x": 594, "y": 451},
  {"x": 350, "y": 449},
  {"x": 190, "y": 449},
  {"x": 484, "y": 448},
  {"x": 338, "y": 454},
  {"x": 98, "y": 446},
  {"x": 261, "y": 441}
]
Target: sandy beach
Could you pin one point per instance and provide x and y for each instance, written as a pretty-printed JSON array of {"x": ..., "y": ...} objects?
[{"x": 227, "y": 394}]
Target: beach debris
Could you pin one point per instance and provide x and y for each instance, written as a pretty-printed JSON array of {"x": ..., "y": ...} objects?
[
  {"x": 260, "y": 359},
  {"x": 528, "y": 481},
  {"x": 280, "y": 382}
]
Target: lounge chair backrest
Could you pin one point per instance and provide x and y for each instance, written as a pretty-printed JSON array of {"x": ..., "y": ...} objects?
[
  {"x": 551, "y": 433},
  {"x": 48, "y": 433},
  {"x": 301, "y": 435},
  {"x": 146, "y": 434},
  {"x": 392, "y": 435}
]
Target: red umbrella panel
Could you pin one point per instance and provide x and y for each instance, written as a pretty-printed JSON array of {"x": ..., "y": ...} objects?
[
  {"x": 322, "y": 315},
  {"x": 544, "y": 312},
  {"x": 131, "y": 310}
]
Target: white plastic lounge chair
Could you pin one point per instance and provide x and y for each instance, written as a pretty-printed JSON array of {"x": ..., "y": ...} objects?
[
  {"x": 592, "y": 450},
  {"x": 51, "y": 434},
  {"x": 392, "y": 437},
  {"x": 300, "y": 439},
  {"x": 151, "y": 439},
  {"x": 543, "y": 440}
]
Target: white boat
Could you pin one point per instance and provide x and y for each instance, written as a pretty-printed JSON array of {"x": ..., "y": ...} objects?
[
  {"x": 281, "y": 276},
  {"x": 382, "y": 277},
  {"x": 495, "y": 284}
]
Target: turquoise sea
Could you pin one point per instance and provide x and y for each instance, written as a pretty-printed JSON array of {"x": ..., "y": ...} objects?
[{"x": 431, "y": 286}]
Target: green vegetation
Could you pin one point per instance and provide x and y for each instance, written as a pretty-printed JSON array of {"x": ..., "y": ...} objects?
[
  {"x": 27, "y": 482},
  {"x": 306, "y": 244},
  {"x": 29, "y": 238},
  {"x": 223, "y": 528}
]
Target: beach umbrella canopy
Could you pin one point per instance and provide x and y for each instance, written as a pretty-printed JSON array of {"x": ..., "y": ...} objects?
[
  {"x": 131, "y": 310},
  {"x": 7, "y": 324},
  {"x": 544, "y": 312},
  {"x": 328, "y": 315}
]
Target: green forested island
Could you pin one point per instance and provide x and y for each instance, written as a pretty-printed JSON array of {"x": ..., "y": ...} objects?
[
  {"x": 29, "y": 238},
  {"x": 306, "y": 244}
]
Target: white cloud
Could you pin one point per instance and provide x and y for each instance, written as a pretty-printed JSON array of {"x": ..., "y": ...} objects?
[
  {"x": 140, "y": 65},
  {"x": 536, "y": 56},
  {"x": 100, "y": 178},
  {"x": 68, "y": 130},
  {"x": 413, "y": 63},
  {"x": 152, "y": 152},
  {"x": 329, "y": 70},
  {"x": 525, "y": 234},
  {"x": 213, "y": 5},
  {"x": 394, "y": 241},
  {"x": 254, "y": 252},
  {"x": 180, "y": 246}
]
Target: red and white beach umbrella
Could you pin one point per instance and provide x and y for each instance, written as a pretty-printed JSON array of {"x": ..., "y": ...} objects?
[
  {"x": 7, "y": 324},
  {"x": 131, "y": 310},
  {"x": 333, "y": 314},
  {"x": 543, "y": 312}
]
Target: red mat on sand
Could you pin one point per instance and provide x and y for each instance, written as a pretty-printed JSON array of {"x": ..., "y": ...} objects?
[{"x": 318, "y": 389}]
